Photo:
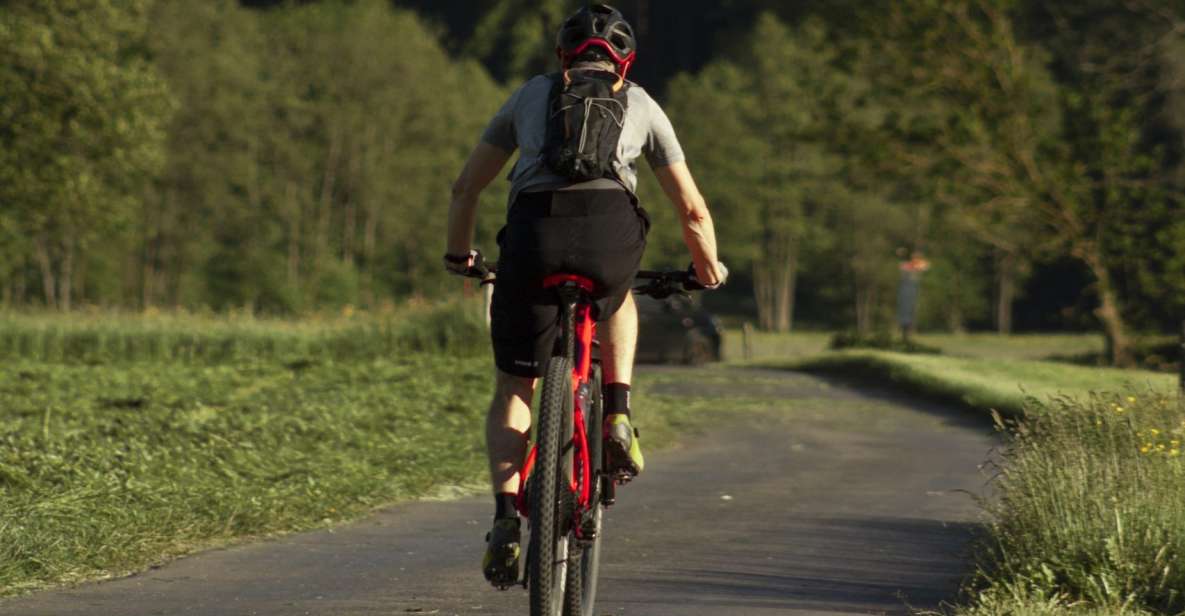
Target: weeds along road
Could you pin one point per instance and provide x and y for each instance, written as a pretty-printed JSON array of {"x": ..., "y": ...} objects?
[{"x": 830, "y": 500}]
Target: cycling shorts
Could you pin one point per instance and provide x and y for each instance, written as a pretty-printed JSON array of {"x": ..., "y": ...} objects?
[{"x": 599, "y": 234}]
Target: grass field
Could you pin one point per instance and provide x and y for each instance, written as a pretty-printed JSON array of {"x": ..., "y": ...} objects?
[{"x": 126, "y": 441}]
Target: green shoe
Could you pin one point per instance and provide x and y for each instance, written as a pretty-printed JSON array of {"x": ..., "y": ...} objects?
[
  {"x": 623, "y": 452},
  {"x": 500, "y": 564}
]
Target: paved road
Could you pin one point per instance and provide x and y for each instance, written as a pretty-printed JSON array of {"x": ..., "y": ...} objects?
[{"x": 834, "y": 501}]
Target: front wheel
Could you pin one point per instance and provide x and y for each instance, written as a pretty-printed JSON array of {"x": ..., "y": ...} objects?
[
  {"x": 580, "y": 593},
  {"x": 550, "y": 501}
]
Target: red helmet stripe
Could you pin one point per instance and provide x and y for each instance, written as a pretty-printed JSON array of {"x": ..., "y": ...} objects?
[{"x": 623, "y": 62}]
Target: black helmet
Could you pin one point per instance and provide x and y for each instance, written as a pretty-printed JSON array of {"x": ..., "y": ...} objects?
[{"x": 597, "y": 25}]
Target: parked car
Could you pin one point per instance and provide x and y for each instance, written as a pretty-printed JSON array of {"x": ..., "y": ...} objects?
[{"x": 674, "y": 330}]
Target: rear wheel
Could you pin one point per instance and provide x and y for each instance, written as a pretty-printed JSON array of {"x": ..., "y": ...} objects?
[
  {"x": 580, "y": 593},
  {"x": 550, "y": 502}
]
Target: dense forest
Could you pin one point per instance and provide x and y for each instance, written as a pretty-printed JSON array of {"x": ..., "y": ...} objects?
[{"x": 283, "y": 157}]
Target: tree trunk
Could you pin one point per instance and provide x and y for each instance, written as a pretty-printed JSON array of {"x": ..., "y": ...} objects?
[
  {"x": 787, "y": 278},
  {"x": 369, "y": 243},
  {"x": 763, "y": 293},
  {"x": 955, "y": 320},
  {"x": 293, "y": 235},
  {"x": 1005, "y": 292},
  {"x": 20, "y": 283},
  {"x": 865, "y": 305},
  {"x": 1109, "y": 311},
  {"x": 325, "y": 206},
  {"x": 45, "y": 263},
  {"x": 1181, "y": 361},
  {"x": 353, "y": 195},
  {"x": 66, "y": 276}
]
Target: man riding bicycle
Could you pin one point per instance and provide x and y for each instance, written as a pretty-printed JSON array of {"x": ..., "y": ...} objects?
[{"x": 564, "y": 218}]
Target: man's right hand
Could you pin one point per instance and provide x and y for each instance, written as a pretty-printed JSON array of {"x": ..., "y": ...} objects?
[{"x": 720, "y": 275}]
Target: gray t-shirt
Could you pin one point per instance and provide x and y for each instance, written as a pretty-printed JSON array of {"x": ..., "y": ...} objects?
[{"x": 522, "y": 124}]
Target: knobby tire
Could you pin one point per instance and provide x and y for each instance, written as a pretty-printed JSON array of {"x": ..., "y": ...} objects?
[
  {"x": 548, "y": 551},
  {"x": 580, "y": 590}
]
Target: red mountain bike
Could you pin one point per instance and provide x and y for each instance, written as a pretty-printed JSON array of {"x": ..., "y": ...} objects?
[{"x": 565, "y": 487}]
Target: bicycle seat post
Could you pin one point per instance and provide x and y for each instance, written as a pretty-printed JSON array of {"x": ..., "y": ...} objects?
[{"x": 569, "y": 294}]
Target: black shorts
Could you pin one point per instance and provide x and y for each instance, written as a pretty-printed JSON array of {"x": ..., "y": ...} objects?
[{"x": 600, "y": 234}]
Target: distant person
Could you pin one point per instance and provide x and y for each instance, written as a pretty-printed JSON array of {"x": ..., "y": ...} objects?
[
  {"x": 909, "y": 291},
  {"x": 573, "y": 212}
]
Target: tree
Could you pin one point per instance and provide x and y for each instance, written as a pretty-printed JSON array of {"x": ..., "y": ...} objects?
[
  {"x": 772, "y": 176},
  {"x": 517, "y": 37},
  {"x": 977, "y": 111},
  {"x": 84, "y": 116}
]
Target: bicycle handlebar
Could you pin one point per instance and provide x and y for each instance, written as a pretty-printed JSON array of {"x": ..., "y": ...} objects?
[
  {"x": 663, "y": 284},
  {"x": 659, "y": 284}
]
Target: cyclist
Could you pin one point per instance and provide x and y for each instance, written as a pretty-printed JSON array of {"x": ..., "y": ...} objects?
[{"x": 555, "y": 224}]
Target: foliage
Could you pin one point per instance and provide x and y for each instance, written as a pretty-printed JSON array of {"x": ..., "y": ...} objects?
[
  {"x": 84, "y": 117},
  {"x": 517, "y": 37},
  {"x": 783, "y": 167},
  {"x": 1002, "y": 136}
]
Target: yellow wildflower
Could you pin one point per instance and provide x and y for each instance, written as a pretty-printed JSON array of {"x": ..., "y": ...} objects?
[
  {"x": 1131, "y": 398},
  {"x": 1154, "y": 432},
  {"x": 1144, "y": 449},
  {"x": 1174, "y": 453}
]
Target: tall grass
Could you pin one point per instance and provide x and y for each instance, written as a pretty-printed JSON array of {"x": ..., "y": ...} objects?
[
  {"x": 80, "y": 338},
  {"x": 1089, "y": 510}
]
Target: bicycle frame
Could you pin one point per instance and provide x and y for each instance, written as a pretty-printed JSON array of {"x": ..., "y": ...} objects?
[{"x": 577, "y": 340}]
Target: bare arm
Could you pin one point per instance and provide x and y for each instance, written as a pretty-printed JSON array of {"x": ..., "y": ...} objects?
[
  {"x": 484, "y": 164},
  {"x": 698, "y": 232}
]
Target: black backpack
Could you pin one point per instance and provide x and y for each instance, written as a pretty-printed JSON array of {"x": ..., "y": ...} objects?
[{"x": 586, "y": 114}]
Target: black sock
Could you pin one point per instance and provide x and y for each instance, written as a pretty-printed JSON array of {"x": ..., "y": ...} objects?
[
  {"x": 617, "y": 399},
  {"x": 504, "y": 505}
]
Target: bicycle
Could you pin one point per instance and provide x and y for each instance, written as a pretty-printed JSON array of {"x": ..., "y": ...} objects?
[{"x": 564, "y": 487}]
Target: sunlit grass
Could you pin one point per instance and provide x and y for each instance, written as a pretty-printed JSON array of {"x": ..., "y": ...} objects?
[
  {"x": 1000, "y": 384},
  {"x": 98, "y": 337},
  {"x": 1016, "y": 346},
  {"x": 126, "y": 440}
]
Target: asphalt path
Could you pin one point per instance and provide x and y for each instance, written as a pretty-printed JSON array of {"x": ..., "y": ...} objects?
[{"x": 832, "y": 500}]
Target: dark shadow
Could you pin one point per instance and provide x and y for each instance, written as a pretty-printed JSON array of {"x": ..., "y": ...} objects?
[
  {"x": 858, "y": 564},
  {"x": 953, "y": 410},
  {"x": 803, "y": 385},
  {"x": 1157, "y": 357}
]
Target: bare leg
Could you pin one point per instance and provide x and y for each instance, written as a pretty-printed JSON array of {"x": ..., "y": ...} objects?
[
  {"x": 508, "y": 425},
  {"x": 619, "y": 341}
]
